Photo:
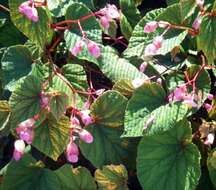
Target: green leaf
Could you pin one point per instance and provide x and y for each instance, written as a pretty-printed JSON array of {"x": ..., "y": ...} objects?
[
  {"x": 58, "y": 104},
  {"x": 109, "y": 108},
  {"x": 75, "y": 178},
  {"x": 25, "y": 100},
  {"x": 125, "y": 87},
  {"x": 52, "y": 136},
  {"x": 148, "y": 113},
  {"x": 187, "y": 8},
  {"x": 90, "y": 26},
  {"x": 112, "y": 177},
  {"x": 211, "y": 163},
  {"x": 169, "y": 160},
  {"x": 39, "y": 32},
  {"x": 206, "y": 40},
  {"x": 170, "y": 2},
  {"x": 129, "y": 9},
  {"x": 28, "y": 174},
  {"x": 125, "y": 26},
  {"x": 16, "y": 63},
  {"x": 108, "y": 147}
]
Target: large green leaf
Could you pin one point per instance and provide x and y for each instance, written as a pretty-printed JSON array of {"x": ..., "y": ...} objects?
[
  {"x": 172, "y": 38},
  {"x": 39, "y": 32},
  {"x": 75, "y": 178},
  {"x": 109, "y": 109},
  {"x": 112, "y": 177},
  {"x": 25, "y": 100},
  {"x": 16, "y": 63},
  {"x": 108, "y": 147},
  {"x": 206, "y": 40},
  {"x": 148, "y": 113},
  {"x": 169, "y": 160},
  {"x": 211, "y": 163},
  {"x": 28, "y": 174},
  {"x": 52, "y": 136}
]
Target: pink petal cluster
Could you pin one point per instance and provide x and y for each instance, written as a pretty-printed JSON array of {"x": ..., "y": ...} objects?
[
  {"x": 143, "y": 67},
  {"x": 108, "y": 13},
  {"x": 86, "y": 136},
  {"x": 77, "y": 48},
  {"x": 210, "y": 139},
  {"x": 197, "y": 22},
  {"x": 25, "y": 130},
  {"x": 44, "y": 101},
  {"x": 151, "y": 49},
  {"x": 208, "y": 107},
  {"x": 94, "y": 49},
  {"x": 74, "y": 121},
  {"x": 180, "y": 94},
  {"x": 150, "y": 27},
  {"x": 72, "y": 152},
  {"x": 86, "y": 118},
  {"x": 19, "y": 148},
  {"x": 210, "y": 96},
  {"x": 27, "y": 8}
]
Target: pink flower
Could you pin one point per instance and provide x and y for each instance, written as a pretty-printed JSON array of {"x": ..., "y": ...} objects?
[
  {"x": 207, "y": 106},
  {"x": 210, "y": 139},
  {"x": 158, "y": 42},
  {"x": 150, "y": 27},
  {"x": 136, "y": 83},
  {"x": 178, "y": 94},
  {"x": 29, "y": 11},
  {"x": 86, "y": 118},
  {"x": 189, "y": 100},
  {"x": 200, "y": 3},
  {"x": 210, "y": 96},
  {"x": 159, "y": 81},
  {"x": 105, "y": 22},
  {"x": 44, "y": 101},
  {"x": 150, "y": 49},
  {"x": 77, "y": 48},
  {"x": 72, "y": 152},
  {"x": 94, "y": 49},
  {"x": 19, "y": 148},
  {"x": 197, "y": 22},
  {"x": 75, "y": 121},
  {"x": 86, "y": 136},
  {"x": 110, "y": 11},
  {"x": 143, "y": 67}
]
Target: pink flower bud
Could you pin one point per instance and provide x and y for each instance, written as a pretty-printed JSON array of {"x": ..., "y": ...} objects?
[
  {"x": 94, "y": 49},
  {"x": 72, "y": 152},
  {"x": 29, "y": 11},
  {"x": 143, "y": 67},
  {"x": 207, "y": 106},
  {"x": 150, "y": 27},
  {"x": 86, "y": 136},
  {"x": 210, "y": 139},
  {"x": 210, "y": 96},
  {"x": 163, "y": 24},
  {"x": 197, "y": 22},
  {"x": 77, "y": 48},
  {"x": 19, "y": 148},
  {"x": 136, "y": 83},
  {"x": 105, "y": 22},
  {"x": 150, "y": 49},
  {"x": 200, "y": 3},
  {"x": 86, "y": 118},
  {"x": 159, "y": 81},
  {"x": 158, "y": 41},
  {"x": 75, "y": 121}
]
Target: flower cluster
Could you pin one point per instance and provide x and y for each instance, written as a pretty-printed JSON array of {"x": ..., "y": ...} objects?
[
  {"x": 107, "y": 14},
  {"x": 28, "y": 9},
  {"x": 72, "y": 151}
]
